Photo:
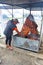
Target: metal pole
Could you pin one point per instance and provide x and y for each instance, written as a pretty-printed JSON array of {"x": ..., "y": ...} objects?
[
  {"x": 23, "y": 15},
  {"x": 12, "y": 8},
  {"x": 0, "y": 61},
  {"x": 30, "y": 11},
  {"x": 12, "y": 11},
  {"x": 41, "y": 27}
]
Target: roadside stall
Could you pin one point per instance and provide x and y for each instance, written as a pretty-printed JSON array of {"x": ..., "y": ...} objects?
[{"x": 30, "y": 37}]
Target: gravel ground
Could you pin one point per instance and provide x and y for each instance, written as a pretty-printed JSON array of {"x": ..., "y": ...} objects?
[{"x": 19, "y": 57}]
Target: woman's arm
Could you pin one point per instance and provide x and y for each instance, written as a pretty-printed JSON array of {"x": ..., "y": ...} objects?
[{"x": 16, "y": 30}]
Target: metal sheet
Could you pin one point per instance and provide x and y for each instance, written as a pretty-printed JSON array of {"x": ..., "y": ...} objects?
[
  {"x": 19, "y": 1},
  {"x": 23, "y": 3},
  {"x": 25, "y": 43}
]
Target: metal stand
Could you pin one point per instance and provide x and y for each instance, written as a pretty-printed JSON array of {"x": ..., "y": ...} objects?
[
  {"x": 0, "y": 61},
  {"x": 41, "y": 27}
]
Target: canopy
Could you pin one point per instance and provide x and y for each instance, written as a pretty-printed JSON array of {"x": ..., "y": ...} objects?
[{"x": 23, "y": 3}]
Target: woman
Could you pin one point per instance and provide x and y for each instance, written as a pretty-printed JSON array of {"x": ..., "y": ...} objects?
[{"x": 11, "y": 25}]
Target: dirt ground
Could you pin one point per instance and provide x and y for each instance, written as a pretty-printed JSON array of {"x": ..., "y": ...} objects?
[{"x": 19, "y": 57}]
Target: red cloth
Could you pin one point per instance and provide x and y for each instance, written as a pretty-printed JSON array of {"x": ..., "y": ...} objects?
[{"x": 14, "y": 29}]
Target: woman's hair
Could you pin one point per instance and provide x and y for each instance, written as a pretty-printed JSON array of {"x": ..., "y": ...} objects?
[{"x": 14, "y": 20}]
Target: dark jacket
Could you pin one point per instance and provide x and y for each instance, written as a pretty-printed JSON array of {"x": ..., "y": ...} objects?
[{"x": 8, "y": 30}]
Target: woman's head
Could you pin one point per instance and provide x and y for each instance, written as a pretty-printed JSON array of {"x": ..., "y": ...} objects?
[{"x": 15, "y": 21}]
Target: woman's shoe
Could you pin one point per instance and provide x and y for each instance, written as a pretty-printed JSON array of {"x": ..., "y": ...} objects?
[
  {"x": 7, "y": 46},
  {"x": 10, "y": 47}
]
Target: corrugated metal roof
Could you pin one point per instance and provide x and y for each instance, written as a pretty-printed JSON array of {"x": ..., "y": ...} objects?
[
  {"x": 23, "y": 3},
  {"x": 19, "y": 1}
]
